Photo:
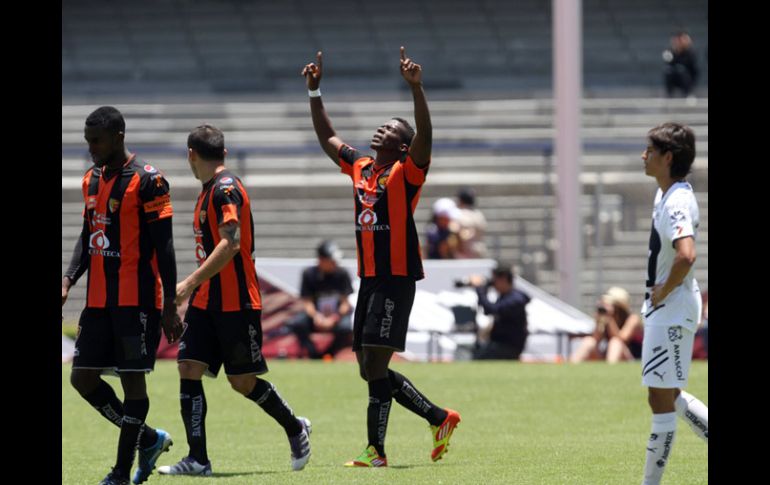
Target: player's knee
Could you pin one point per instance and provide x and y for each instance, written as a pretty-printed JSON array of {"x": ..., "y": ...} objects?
[
  {"x": 84, "y": 382},
  {"x": 242, "y": 384},
  {"x": 191, "y": 370}
]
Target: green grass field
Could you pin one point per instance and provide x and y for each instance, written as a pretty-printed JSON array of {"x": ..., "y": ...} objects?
[{"x": 522, "y": 424}]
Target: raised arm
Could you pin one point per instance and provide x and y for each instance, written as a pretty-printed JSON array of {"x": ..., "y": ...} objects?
[
  {"x": 423, "y": 139},
  {"x": 327, "y": 137}
]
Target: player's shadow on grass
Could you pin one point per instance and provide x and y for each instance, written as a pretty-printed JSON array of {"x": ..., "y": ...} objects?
[
  {"x": 238, "y": 474},
  {"x": 416, "y": 465}
]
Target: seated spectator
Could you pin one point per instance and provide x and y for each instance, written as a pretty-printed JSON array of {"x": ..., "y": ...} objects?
[
  {"x": 507, "y": 336},
  {"x": 472, "y": 225},
  {"x": 443, "y": 241},
  {"x": 681, "y": 70},
  {"x": 618, "y": 332},
  {"x": 324, "y": 291}
]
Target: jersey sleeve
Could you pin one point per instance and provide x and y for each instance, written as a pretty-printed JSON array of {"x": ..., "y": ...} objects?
[
  {"x": 154, "y": 192},
  {"x": 347, "y": 157},
  {"x": 227, "y": 200},
  {"x": 678, "y": 216},
  {"x": 414, "y": 174}
]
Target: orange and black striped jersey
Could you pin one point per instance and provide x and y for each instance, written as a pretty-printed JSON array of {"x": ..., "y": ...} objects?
[
  {"x": 385, "y": 199},
  {"x": 222, "y": 200},
  {"x": 122, "y": 263}
]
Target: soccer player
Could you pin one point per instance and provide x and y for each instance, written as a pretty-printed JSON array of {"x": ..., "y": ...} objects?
[
  {"x": 127, "y": 247},
  {"x": 672, "y": 305},
  {"x": 387, "y": 188},
  {"x": 224, "y": 314}
]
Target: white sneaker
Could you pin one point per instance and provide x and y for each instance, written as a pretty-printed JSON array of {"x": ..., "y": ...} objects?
[
  {"x": 300, "y": 445},
  {"x": 186, "y": 466}
]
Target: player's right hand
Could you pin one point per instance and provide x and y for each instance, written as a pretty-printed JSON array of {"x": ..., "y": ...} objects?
[
  {"x": 172, "y": 324},
  {"x": 312, "y": 73},
  {"x": 65, "y": 290}
]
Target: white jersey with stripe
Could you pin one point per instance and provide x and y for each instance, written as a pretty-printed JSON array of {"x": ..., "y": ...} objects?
[{"x": 675, "y": 216}]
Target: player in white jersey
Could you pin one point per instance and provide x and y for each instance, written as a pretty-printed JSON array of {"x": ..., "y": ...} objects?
[{"x": 672, "y": 305}]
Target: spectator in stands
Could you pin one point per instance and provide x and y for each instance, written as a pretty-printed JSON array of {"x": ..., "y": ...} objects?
[
  {"x": 618, "y": 333},
  {"x": 506, "y": 337},
  {"x": 472, "y": 225},
  {"x": 324, "y": 291},
  {"x": 681, "y": 70},
  {"x": 442, "y": 234}
]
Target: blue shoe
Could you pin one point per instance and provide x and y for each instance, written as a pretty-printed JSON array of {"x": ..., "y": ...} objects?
[{"x": 148, "y": 456}]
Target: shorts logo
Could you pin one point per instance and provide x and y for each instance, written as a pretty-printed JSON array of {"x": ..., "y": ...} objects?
[
  {"x": 659, "y": 375},
  {"x": 114, "y": 204},
  {"x": 387, "y": 321},
  {"x": 200, "y": 253},
  {"x": 256, "y": 353},
  {"x": 675, "y": 333},
  {"x": 367, "y": 217},
  {"x": 149, "y": 168},
  {"x": 143, "y": 321},
  {"x": 202, "y": 217}
]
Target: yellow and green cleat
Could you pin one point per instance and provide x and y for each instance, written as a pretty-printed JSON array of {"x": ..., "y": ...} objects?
[{"x": 369, "y": 458}]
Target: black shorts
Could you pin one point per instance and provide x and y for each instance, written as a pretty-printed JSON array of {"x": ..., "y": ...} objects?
[
  {"x": 382, "y": 312},
  {"x": 117, "y": 339},
  {"x": 232, "y": 338}
]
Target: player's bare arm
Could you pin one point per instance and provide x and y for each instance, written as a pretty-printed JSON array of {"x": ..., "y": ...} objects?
[
  {"x": 162, "y": 237},
  {"x": 683, "y": 261},
  {"x": 327, "y": 137},
  {"x": 422, "y": 142},
  {"x": 223, "y": 253}
]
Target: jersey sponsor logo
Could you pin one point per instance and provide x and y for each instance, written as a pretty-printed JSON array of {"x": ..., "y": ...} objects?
[
  {"x": 149, "y": 168},
  {"x": 226, "y": 188},
  {"x": 91, "y": 202},
  {"x": 202, "y": 216},
  {"x": 200, "y": 253},
  {"x": 677, "y": 216},
  {"x": 226, "y": 181},
  {"x": 382, "y": 180},
  {"x": 158, "y": 180},
  {"x": 101, "y": 219},
  {"x": 679, "y": 230},
  {"x": 113, "y": 204},
  {"x": 98, "y": 245},
  {"x": 158, "y": 204},
  {"x": 367, "y": 217}
]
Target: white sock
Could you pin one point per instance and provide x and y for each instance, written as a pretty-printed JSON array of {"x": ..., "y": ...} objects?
[
  {"x": 659, "y": 447},
  {"x": 692, "y": 410}
]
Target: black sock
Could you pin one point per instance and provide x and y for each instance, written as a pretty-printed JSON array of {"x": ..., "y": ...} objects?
[
  {"x": 380, "y": 399},
  {"x": 193, "y": 404},
  {"x": 267, "y": 397},
  {"x": 135, "y": 411},
  {"x": 408, "y": 396},
  {"x": 104, "y": 400}
]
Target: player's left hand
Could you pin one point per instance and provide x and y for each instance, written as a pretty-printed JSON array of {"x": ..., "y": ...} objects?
[
  {"x": 412, "y": 72},
  {"x": 183, "y": 292},
  {"x": 657, "y": 295},
  {"x": 171, "y": 323}
]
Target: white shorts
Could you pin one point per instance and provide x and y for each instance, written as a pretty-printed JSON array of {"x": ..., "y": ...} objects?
[{"x": 666, "y": 356}]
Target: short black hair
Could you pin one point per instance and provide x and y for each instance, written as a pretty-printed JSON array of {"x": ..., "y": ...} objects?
[
  {"x": 466, "y": 195},
  {"x": 503, "y": 269},
  {"x": 108, "y": 118},
  {"x": 208, "y": 142},
  {"x": 409, "y": 130},
  {"x": 678, "y": 139}
]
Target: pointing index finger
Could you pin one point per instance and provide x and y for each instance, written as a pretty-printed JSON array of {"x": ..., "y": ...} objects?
[{"x": 403, "y": 54}]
